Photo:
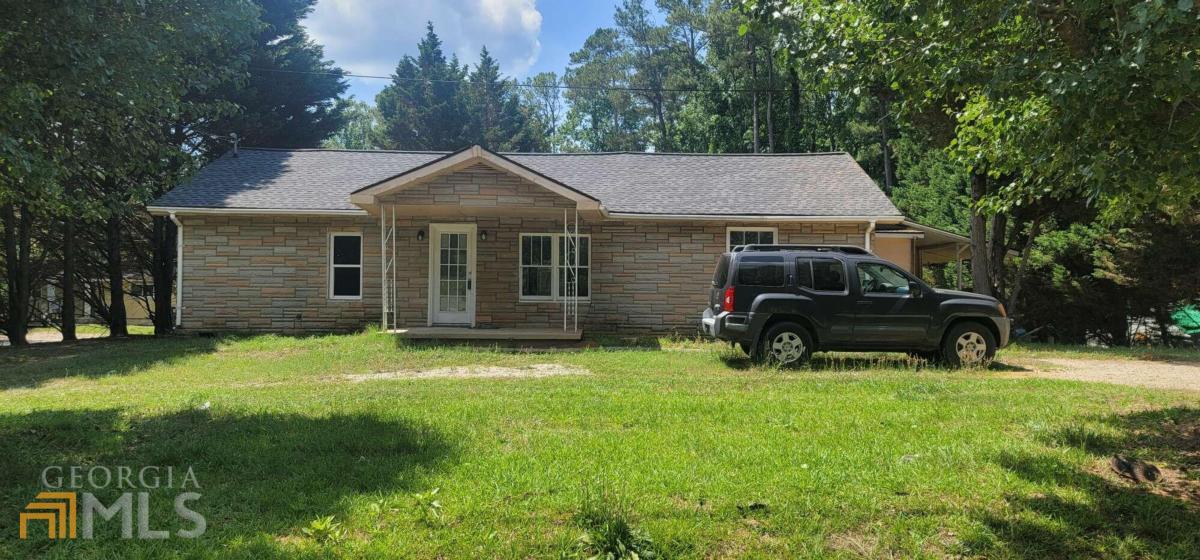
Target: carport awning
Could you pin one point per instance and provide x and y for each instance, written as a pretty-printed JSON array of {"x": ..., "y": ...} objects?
[{"x": 937, "y": 246}]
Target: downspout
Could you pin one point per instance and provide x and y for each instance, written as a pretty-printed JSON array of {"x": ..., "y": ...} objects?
[
  {"x": 870, "y": 234},
  {"x": 178, "y": 270}
]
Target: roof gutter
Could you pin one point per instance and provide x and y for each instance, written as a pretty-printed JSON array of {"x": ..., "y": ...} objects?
[
  {"x": 752, "y": 217},
  {"x": 184, "y": 210}
]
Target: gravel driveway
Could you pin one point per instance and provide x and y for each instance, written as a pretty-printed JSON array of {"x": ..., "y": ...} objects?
[{"x": 1140, "y": 373}]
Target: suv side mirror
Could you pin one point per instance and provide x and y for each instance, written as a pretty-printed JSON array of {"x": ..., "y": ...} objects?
[{"x": 914, "y": 290}]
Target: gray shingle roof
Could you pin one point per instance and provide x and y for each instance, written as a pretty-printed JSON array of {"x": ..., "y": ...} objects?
[{"x": 643, "y": 183}]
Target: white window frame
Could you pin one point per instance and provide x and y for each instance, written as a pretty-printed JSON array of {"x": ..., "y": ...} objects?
[
  {"x": 361, "y": 257},
  {"x": 729, "y": 231},
  {"x": 555, "y": 248}
]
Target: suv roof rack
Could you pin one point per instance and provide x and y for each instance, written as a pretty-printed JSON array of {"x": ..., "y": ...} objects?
[{"x": 847, "y": 249}]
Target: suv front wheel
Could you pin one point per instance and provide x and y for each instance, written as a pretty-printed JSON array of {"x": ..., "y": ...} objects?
[
  {"x": 785, "y": 344},
  {"x": 969, "y": 345}
]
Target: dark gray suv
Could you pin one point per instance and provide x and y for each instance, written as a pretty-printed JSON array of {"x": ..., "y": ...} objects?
[{"x": 780, "y": 303}]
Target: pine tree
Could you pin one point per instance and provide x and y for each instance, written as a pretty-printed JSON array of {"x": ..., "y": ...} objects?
[{"x": 424, "y": 108}]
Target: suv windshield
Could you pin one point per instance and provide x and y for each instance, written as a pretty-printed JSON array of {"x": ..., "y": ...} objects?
[{"x": 722, "y": 273}]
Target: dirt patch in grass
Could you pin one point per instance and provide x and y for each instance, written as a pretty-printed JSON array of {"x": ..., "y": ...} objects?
[
  {"x": 530, "y": 371},
  {"x": 1140, "y": 373}
]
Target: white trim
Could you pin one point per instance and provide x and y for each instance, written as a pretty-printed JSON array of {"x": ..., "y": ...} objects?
[
  {"x": 472, "y": 231},
  {"x": 554, "y": 268},
  {"x": 466, "y": 158},
  {"x": 752, "y": 218},
  {"x": 730, "y": 229},
  {"x": 331, "y": 265},
  {"x": 183, "y": 210},
  {"x": 178, "y": 270}
]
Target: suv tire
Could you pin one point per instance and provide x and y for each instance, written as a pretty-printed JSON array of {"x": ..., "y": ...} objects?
[
  {"x": 968, "y": 344},
  {"x": 785, "y": 344}
]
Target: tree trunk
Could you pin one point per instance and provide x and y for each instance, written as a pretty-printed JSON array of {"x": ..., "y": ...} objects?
[
  {"x": 997, "y": 250},
  {"x": 794, "y": 138},
  {"x": 889, "y": 173},
  {"x": 163, "y": 274},
  {"x": 68, "y": 273},
  {"x": 981, "y": 275},
  {"x": 1014, "y": 300},
  {"x": 117, "y": 322},
  {"x": 754, "y": 93},
  {"x": 770, "y": 97},
  {"x": 16, "y": 250}
]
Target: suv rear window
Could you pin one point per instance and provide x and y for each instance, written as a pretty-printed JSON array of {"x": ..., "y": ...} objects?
[
  {"x": 828, "y": 275},
  {"x": 722, "y": 273},
  {"x": 760, "y": 271}
]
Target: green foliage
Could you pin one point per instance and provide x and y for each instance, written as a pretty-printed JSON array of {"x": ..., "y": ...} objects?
[
  {"x": 608, "y": 531},
  {"x": 325, "y": 530},
  {"x": 437, "y": 104},
  {"x": 429, "y": 508},
  {"x": 288, "y": 97},
  {"x": 361, "y": 129}
]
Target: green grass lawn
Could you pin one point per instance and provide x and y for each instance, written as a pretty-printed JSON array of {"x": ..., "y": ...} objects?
[{"x": 687, "y": 446}]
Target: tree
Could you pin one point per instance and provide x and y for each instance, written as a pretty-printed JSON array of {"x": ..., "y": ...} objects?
[
  {"x": 289, "y": 95},
  {"x": 95, "y": 87},
  {"x": 542, "y": 95},
  {"x": 424, "y": 108},
  {"x": 361, "y": 129},
  {"x": 603, "y": 114},
  {"x": 498, "y": 122}
]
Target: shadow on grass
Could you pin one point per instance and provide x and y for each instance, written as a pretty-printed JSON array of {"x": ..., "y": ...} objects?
[
  {"x": 37, "y": 364},
  {"x": 261, "y": 476},
  {"x": 1089, "y": 513}
]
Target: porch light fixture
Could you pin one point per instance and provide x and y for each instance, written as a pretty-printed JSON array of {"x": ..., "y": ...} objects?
[
  {"x": 420, "y": 235},
  {"x": 483, "y": 235}
]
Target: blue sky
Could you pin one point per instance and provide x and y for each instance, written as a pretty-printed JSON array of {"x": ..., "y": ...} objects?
[{"x": 525, "y": 36}]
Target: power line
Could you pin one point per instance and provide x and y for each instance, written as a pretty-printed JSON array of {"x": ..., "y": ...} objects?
[{"x": 515, "y": 83}]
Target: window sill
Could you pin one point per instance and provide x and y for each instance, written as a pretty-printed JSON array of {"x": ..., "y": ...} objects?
[{"x": 345, "y": 298}]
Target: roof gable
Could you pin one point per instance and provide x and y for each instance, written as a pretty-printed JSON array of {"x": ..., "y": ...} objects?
[{"x": 463, "y": 159}]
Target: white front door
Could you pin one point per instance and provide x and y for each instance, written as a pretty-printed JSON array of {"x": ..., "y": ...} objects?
[{"x": 452, "y": 274}]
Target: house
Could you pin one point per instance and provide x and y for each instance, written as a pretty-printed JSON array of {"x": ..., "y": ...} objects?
[{"x": 513, "y": 245}]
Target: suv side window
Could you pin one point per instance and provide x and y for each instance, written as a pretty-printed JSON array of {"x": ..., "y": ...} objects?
[
  {"x": 760, "y": 271},
  {"x": 876, "y": 278},
  {"x": 829, "y": 275},
  {"x": 804, "y": 275}
]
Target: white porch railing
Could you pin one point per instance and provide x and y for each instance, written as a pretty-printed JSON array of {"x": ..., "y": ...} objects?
[{"x": 570, "y": 300}]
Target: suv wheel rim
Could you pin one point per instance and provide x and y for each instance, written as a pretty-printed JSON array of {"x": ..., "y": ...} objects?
[
  {"x": 787, "y": 348},
  {"x": 971, "y": 348}
]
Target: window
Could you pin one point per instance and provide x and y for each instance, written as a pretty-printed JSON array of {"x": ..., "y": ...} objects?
[
  {"x": 760, "y": 271},
  {"x": 749, "y": 236},
  {"x": 345, "y": 266},
  {"x": 721, "y": 275},
  {"x": 828, "y": 275},
  {"x": 545, "y": 273},
  {"x": 804, "y": 275},
  {"x": 875, "y": 278}
]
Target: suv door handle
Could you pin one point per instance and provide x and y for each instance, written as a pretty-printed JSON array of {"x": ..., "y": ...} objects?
[{"x": 864, "y": 302}]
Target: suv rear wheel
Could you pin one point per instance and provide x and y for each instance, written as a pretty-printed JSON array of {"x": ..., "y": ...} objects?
[
  {"x": 785, "y": 344},
  {"x": 969, "y": 345}
]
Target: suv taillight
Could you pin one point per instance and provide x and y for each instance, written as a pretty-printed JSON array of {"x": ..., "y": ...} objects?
[{"x": 727, "y": 301}]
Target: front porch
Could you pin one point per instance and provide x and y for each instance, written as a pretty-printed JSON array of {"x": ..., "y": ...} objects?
[{"x": 485, "y": 333}]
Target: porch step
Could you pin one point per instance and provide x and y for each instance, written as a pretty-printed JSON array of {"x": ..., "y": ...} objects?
[{"x": 467, "y": 333}]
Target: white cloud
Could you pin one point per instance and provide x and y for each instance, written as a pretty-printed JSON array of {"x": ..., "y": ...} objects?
[{"x": 370, "y": 36}]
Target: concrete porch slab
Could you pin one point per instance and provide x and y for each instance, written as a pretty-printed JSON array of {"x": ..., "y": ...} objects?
[{"x": 467, "y": 333}]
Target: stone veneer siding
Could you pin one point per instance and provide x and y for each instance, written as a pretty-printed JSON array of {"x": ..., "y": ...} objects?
[{"x": 270, "y": 273}]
